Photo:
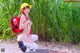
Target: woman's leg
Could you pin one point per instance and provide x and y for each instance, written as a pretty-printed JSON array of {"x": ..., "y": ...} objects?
[
  {"x": 34, "y": 37},
  {"x": 19, "y": 37},
  {"x": 33, "y": 45},
  {"x": 22, "y": 46},
  {"x": 20, "y": 42}
]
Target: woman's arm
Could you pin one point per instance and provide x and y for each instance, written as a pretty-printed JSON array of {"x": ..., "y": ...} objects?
[{"x": 23, "y": 22}]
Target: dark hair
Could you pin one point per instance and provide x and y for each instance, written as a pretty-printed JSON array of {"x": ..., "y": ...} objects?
[{"x": 26, "y": 7}]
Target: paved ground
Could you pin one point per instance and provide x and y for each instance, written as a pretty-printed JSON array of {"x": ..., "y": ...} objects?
[{"x": 10, "y": 47}]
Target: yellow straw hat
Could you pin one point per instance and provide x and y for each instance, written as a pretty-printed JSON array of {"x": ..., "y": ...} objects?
[{"x": 24, "y": 5}]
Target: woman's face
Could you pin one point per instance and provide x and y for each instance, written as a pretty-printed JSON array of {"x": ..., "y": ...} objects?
[{"x": 26, "y": 10}]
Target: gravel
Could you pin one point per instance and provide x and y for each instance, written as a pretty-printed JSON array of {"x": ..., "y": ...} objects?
[{"x": 12, "y": 47}]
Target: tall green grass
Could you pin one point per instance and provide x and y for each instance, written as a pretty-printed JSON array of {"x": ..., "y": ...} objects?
[{"x": 53, "y": 20}]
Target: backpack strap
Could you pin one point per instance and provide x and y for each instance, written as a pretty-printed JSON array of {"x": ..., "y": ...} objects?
[{"x": 26, "y": 17}]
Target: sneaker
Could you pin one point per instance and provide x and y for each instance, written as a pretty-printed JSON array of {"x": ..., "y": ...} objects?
[{"x": 21, "y": 46}]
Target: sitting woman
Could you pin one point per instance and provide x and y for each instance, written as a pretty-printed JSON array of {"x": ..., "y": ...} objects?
[{"x": 26, "y": 38}]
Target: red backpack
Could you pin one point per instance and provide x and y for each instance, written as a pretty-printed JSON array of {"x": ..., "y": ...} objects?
[{"x": 15, "y": 21}]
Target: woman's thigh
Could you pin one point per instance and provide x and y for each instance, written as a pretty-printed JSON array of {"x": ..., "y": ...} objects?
[{"x": 19, "y": 37}]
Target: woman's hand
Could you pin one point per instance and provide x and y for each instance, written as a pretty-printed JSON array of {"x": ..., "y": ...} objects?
[{"x": 29, "y": 22}]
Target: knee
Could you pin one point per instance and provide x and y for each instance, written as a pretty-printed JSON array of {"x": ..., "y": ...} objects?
[
  {"x": 19, "y": 37},
  {"x": 35, "y": 37}
]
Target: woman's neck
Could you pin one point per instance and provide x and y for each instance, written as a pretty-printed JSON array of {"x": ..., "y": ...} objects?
[{"x": 25, "y": 14}]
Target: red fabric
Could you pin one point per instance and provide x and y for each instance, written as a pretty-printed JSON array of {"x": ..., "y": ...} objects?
[
  {"x": 30, "y": 31},
  {"x": 16, "y": 29}
]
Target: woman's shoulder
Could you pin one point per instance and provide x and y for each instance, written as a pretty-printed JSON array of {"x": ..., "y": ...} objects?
[{"x": 23, "y": 17}]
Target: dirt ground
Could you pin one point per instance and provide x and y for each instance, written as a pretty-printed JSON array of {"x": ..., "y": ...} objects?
[{"x": 12, "y": 47}]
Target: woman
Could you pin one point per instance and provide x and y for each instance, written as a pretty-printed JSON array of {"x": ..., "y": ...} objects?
[{"x": 26, "y": 38}]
